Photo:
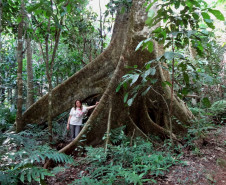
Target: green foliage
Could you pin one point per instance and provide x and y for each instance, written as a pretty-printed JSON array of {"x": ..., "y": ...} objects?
[
  {"x": 219, "y": 107},
  {"x": 218, "y": 111},
  {"x": 132, "y": 79},
  {"x": 23, "y": 159},
  {"x": 7, "y": 118},
  {"x": 196, "y": 132},
  {"x": 206, "y": 119},
  {"x": 197, "y": 111},
  {"x": 118, "y": 5},
  {"x": 117, "y": 135},
  {"x": 205, "y": 122},
  {"x": 125, "y": 164},
  {"x": 182, "y": 25},
  {"x": 74, "y": 21},
  {"x": 60, "y": 130}
]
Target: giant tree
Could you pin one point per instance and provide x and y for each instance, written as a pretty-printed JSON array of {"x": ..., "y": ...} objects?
[{"x": 147, "y": 115}]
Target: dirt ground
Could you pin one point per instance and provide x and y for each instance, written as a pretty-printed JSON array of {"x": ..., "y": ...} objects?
[{"x": 206, "y": 164}]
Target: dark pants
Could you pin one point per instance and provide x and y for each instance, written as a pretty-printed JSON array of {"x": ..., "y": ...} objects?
[{"x": 75, "y": 129}]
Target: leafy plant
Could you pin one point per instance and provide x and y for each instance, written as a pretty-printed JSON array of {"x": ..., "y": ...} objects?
[
  {"x": 218, "y": 111},
  {"x": 23, "y": 159},
  {"x": 118, "y": 5},
  {"x": 179, "y": 25},
  {"x": 125, "y": 164},
  {"x": 7, "y": 118}
]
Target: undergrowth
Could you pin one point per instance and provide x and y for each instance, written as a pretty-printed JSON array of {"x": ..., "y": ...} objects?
[
  {"x": 127, "y": 161},
  {"x": 23, "y": 155},
  {"x": 141, "y": 163},
  {"x": 125, "y": 164},
  {"x": 207, "y": 119},
  {"x": 7, "y": 118}
]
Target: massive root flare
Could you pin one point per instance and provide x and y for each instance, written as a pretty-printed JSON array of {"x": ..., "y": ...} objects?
[{"x": 148, "y": 114}]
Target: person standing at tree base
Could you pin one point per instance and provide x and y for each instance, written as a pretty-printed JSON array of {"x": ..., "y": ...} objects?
[{"x": 75, "y": 117}]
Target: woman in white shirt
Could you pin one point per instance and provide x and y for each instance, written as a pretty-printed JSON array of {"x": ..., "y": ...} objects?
[{"x": 75, "y": 117}]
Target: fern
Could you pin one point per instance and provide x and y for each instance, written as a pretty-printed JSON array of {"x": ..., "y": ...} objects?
[
  {"x": 86, "y": 181},
  {"x": 35, "y": 173},
  {"x": 197, "y": 111},
  {"x": 117, "y": 135},
  {"x": 22, "y": 165},
  {"x": 124, "y": 164},
  {"x": 219, "y": 107},
  {"x": 133, "y": 177},
  {"x": 218, "y": 110},
  {"x": 60, "y": 130}
]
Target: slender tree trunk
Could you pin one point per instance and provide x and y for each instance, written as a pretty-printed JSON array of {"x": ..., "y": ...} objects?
[
  {"x": 101, "y": 30},
  {"x": 2, "y": 89},
  {"x": 30, "y": 89},
  {"x": 9, "y": 95},
  {"x": 193, "y": 52},
  {"x": 50, "y": 125},
  {"x": 90, "y": 51},
  {"x": 223, "y": 76},
  {"x": 109, "y": 125},
  {"x": 49, "y": 78},
  {"x": 49, "y": 73},
  {"x": 41, "y": 88},
  {"x": 172, "y": 96},
  {"x": 0, "y": 30},
  {"x": 19, "y": 123},
  {"x": 57, "y": 80},
  {"x": 84, "y": 50}
]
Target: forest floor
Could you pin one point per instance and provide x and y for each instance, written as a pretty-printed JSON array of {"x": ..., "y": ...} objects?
[{"x": 204, "y": 164}]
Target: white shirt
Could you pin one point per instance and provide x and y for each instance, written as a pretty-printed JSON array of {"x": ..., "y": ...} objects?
[{"x": 77, "y": 115}]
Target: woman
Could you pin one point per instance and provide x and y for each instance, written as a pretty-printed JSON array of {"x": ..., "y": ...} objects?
[{"x": 75, "y": 117}]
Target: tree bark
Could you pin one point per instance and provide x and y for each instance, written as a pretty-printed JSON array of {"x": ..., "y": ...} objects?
[
  {"x": 102, "y": 76},
  {"x": 0, "y": 30},
  {"x": 101, "y": 30},
  {"x": 30, "y": 90},
  {"x": 109, "y": 125},
  {"x": 19, "y": 122},
  {"x": 2, "y": 89},
  {"x": 49, "y": 78}
]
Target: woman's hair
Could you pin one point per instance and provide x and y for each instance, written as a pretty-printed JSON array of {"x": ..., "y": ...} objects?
[{"x": 75, "y": 103}]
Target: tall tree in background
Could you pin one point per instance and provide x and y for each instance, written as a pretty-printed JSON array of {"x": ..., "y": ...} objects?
[
  {"x": 19, "y": 122},
  {"x": 30, "y": 90},
  {"x": 48, "y": 31},
  {"x": 101, "y": 29},
  {"x": 0, "y": 30},
  {"x": 1, "y": 87},
  {"x": 49, "y": 61}
]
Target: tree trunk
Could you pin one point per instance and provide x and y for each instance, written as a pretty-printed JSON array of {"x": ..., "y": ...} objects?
[
  {"x": 108, "y": 126},
  {"x": 2, "y": 89},
  {"x": 30, "y": 90},
  {"x": 0, "y": 30},
  {"x": 103, "y": 75},
  {"x": 101, "y": 30},
  {"x": 50, "y": 126},
  {"x": 49, "y": 74},
  {"x": 19, "y": 122}
]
